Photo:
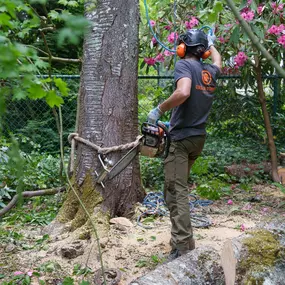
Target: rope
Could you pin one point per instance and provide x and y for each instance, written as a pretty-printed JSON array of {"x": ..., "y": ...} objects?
[
  {"x": 102, "y": 150},
  {"x": 105, "y": 150},
  {"x": 155, "y": 204}
]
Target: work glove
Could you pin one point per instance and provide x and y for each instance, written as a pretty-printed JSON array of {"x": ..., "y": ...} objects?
[
  {"x": 154, "y": 115},
  {"x": 211, "y": 39}
]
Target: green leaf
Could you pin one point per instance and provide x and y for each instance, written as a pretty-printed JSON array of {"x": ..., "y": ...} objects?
[
  {"x": 68, "y": 281},
  {"x": 218, "y": 6},
  {"x": 53, "y": 99},
  {"x": 36, "y": 91},
  {"x": 62, "y": 86},
  {"x": 19, "y": 93},
  {"x": 5, "y": 20},
  {"x": 54, "y": 15},
  {"x": 235, "y": 35},
  {"x": 84, "y": 283},
  {"x": 38, "y": 1},
  {"x": 67, "y": 35},
  {"x": 68, "y": 3}
]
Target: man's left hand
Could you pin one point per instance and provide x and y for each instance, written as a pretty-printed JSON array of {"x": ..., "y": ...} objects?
[{"x": 211, "y": 40}]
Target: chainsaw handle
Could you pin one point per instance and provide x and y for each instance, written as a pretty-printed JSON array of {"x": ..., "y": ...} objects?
[{"x": 168, "y": 140}]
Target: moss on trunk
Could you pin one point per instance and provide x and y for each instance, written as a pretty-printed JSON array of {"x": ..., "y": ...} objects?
[
  {"x": 71, "y": 212},
  {"x": 263, "y": 251}
]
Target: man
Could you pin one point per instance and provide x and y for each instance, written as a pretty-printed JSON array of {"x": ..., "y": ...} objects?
[{"x": 191, "y": 103}]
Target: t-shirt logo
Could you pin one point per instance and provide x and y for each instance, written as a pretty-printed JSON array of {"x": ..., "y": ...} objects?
[{"x": 206, "y": 77}]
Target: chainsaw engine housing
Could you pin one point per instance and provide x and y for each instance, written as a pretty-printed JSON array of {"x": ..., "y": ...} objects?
[{"x": 156, "y": 140}]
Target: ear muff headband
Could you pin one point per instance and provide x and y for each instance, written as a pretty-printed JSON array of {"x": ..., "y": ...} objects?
[{"x": 181, "y": 48}]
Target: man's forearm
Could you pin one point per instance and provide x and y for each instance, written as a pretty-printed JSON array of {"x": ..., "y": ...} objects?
[
  {"x": 216, "y": 57},
  {"x": 176, "y": 99}
]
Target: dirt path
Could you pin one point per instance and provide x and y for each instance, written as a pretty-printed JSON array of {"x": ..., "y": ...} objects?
[{"x": 135, "y": 250}]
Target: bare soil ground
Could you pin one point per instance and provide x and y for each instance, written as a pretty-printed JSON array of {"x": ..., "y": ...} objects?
[{"x": 133, "y": 250}]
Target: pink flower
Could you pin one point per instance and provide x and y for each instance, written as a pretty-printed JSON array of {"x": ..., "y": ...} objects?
[
  {"x": 168, "y": 27},
  {"x": 150, "y": 61},
  {"x": 260, "y": 9},
  {"x": 281, "y": 40},
  {"x": 273, "y": 30},
  {"x": 277, "y": 9},
  {"x": 152, "y": 23},
  {"x": 222, "y": 40},
  {"x": 154, "y": 41},
  {"x": 16, "y": 273},
  {"x": 159, "y": 58},
  {"x": 281, "y": 28},
  {"x": 230, "y": 202},
  {"x": 172, "y": 37},
  {"x": 240, "y": 59},
  {"x": 242, "y": 227},
  {"x": 264, "y": 210},
  {"x": 247, "y": 207},
  {"x": 168, "y": 53},
  {"x": 249, "y": 2},
  {"x": 273, "y": 5},
  {"x": 192, "y": 23},
  {"x": 30, "y": 273},
  {"x": 248, "y": 16}
]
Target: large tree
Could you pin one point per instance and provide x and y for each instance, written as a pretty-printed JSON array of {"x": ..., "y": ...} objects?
[{"x": 108, "y": 110}]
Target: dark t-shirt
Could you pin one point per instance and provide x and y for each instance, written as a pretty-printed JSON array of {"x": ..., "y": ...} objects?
[{"x": 189, "y": 118}]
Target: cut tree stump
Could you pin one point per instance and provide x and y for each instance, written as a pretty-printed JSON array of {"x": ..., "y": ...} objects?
[{"x": 257, "y": 257}]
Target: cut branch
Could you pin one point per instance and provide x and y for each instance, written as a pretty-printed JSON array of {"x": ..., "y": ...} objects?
[
  {"x": 61, "y": 59},
  {"x": 28, "y": 194}
]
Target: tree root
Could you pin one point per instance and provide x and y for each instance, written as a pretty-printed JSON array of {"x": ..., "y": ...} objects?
[{"x": 28, "y": 194}]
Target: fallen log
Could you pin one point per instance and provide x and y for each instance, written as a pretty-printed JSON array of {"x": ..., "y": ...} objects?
[
  {"x": 29, "y": 194},
  {"x": 246, "y": 169},
  {"x": 199, "y": 266},
  {"x": 254, "y": 258}
]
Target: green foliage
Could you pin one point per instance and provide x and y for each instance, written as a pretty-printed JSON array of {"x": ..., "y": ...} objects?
[
  {"x": 212, "y": 189},
  {"x": 152, "y": 172},
  {"x": 40, "y": 171},
  {"x": 78, "y": 269},
  {"x": 208, "y": 171},
  {"x": 33, "y": 214}
]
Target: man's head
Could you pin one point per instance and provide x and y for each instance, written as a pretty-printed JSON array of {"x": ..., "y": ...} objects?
[{"x": 196, "y": 42}]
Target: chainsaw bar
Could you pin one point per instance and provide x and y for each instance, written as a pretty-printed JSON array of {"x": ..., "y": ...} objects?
[{"x": 123, "y": 162}]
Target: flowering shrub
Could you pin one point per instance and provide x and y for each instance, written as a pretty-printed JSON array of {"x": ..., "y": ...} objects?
[{"x": 266, "y": 19}]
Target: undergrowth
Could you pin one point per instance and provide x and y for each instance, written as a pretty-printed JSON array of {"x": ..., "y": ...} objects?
[{"x": 208, "y": 172}]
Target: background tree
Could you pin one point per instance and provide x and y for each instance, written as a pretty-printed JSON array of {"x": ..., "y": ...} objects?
[{"x": 108, "y": 110}]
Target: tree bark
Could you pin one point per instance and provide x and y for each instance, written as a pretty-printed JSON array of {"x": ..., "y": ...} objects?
[
  {"x": 262, "y": 100},
  {"x": 108, "y": 109}
]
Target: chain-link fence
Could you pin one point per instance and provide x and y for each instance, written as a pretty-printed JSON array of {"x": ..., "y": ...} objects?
[{"x": 236, "y": 110}]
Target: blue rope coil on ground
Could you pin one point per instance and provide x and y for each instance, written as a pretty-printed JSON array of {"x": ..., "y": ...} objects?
[{"x": 155, "y": 204}]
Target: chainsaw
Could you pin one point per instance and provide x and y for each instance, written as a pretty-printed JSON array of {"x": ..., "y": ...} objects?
[{"x": 154, "y": 143}]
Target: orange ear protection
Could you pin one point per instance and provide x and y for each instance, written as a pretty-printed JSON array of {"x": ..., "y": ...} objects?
[
  {"x": 206, "y": 54},
  {"x": 181, "y": 51}
]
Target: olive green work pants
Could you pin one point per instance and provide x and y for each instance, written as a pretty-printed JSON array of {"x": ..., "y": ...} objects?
[{"x": 177, "y": 165}]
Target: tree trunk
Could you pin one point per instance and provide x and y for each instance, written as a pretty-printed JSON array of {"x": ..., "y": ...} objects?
[
  {"x": 262, "y": 100},
  {"x": 108, "y": 111}
]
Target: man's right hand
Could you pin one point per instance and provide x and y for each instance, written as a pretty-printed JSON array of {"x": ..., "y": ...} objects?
[{"x": 154, "y": 115}]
